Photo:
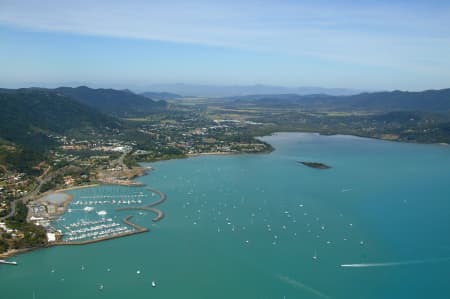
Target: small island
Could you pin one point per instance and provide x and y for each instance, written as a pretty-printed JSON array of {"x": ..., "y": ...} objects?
[{"x": 315, "y": 165}]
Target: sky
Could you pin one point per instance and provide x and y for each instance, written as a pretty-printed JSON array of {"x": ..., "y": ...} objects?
[{"x": 368, "y": 45}]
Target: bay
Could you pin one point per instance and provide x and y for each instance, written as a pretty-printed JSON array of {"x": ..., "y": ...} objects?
[{"x": 374, "y": 225}]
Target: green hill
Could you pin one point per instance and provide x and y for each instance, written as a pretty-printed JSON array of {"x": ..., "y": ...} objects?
[
  {"x": 120, "y": 103},
  {"x": 28, "y": 116}
]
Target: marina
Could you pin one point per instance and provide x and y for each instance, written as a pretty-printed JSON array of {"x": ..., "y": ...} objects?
[{"x": 92, "y": 225}]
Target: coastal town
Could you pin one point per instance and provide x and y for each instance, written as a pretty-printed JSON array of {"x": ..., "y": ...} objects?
[{"x": 111, "y": 159}]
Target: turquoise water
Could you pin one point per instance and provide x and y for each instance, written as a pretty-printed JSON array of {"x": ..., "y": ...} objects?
[{"x": 248, "y": 226}]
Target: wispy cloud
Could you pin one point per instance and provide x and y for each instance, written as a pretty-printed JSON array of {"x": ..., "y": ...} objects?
[{"x": 397, "y": 34}]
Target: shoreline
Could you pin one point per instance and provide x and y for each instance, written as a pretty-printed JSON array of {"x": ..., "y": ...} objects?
[
  {"x": 15, "y": 252},
  {"x": 229, "y": 153},
  {"x": 440, "y": 144},
  {"x": 68, "y": 198},
  {"x": 213, "y": 154},
  {"x": 74, "y": 188}
]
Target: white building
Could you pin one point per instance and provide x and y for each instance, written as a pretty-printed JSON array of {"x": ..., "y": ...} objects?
[{"x": 51, "y": 237}]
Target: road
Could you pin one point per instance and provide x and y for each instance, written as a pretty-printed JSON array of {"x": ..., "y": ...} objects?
[
  {"x": 120, "y": 160},
  {"x": 29, "y": 196}
]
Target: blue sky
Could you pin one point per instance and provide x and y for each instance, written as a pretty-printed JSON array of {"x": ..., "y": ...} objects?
[{"x": 353, "y": 44}]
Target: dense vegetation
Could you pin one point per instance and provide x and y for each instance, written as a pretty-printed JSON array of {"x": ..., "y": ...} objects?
[
  {"x": 32, "y": 235},
  {"x": 28, "y": 116},
  {"x": 21, "y": 159},
  {"x": 121, "y": 103}
]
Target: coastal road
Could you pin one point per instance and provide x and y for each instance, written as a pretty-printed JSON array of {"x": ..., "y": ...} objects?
[{"x": 120, "y": 159}]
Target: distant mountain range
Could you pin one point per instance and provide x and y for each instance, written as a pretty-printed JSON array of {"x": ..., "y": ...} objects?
[
  {"x": 122, "y": 103},
  {"x": 239, "y": 90},
  {"x": 206, "y": 90},
  {"x": 427, "y": 101}
]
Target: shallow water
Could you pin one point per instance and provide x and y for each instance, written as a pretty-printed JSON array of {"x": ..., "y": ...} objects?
[
  {"x": 248, "y": 226},
  {"x": 56, "y": 198}
]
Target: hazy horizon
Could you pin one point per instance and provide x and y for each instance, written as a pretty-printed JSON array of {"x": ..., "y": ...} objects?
[{"x": 383, "y": 45}]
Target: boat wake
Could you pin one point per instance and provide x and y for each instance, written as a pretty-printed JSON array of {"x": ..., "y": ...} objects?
[
  {"x": 394, "y": 264},
  {"x": 300, "y": 285}
]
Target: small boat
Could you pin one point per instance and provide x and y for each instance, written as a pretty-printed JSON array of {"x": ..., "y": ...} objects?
[
  {"x": 153, "y": 284},
  {"x": 314, "y": 256},
  {"x": 8, "y": 263},
  {"x": 102, "y": 213},
  {"x": 88, "y": 209},
  {"x": 100, "y": 287}
]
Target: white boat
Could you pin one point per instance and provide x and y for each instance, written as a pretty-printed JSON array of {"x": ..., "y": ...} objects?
[
  {"x": 153, "y": 284},
  {"x": 7, "y": 263},
  {"x": 315, "y": 255},
  {"x": 88, "y": 209},
  {"x": 102, "y": 213}
]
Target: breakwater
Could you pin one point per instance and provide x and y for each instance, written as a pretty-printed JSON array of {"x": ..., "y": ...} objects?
[{"x": 149, "y": 207}]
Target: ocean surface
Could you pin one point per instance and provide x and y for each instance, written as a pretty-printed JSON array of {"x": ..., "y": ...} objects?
[{"x": 375, "y": 225}]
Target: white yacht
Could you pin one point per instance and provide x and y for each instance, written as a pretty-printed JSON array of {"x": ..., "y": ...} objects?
[
  {"x": 102, "y": 213},
  {"x": 7, "y": 263},
  {"x": 88, "y": 209}
]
